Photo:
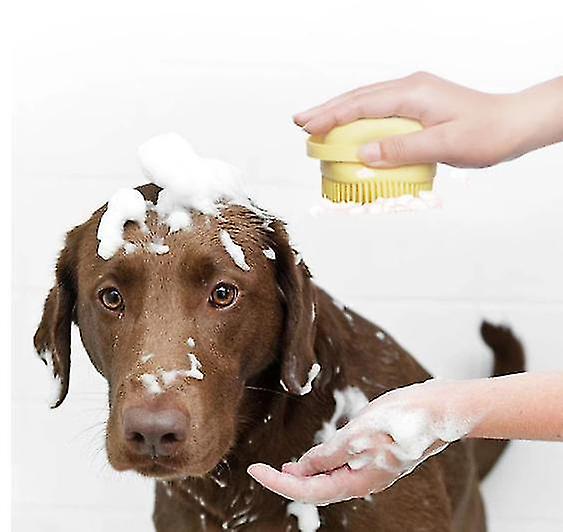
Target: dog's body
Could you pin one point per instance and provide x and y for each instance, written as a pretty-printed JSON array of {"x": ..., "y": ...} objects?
[{"x": 239, "y": 413}]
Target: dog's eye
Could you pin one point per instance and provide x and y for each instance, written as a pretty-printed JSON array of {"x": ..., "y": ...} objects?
[
  {"x": 223, "y": 295},
  {"x": 111, "y": 298}
]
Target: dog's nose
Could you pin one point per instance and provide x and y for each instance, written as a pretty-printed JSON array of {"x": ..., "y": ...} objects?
[{"x": 154, "y": 433}]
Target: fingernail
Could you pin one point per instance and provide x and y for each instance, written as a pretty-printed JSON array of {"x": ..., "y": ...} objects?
[
  {"x": 370, "y": 153},
  {"x": 306, "y": 127}
]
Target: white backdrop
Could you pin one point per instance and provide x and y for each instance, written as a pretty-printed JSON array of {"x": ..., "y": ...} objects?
[{"x": 93, "y": 81}]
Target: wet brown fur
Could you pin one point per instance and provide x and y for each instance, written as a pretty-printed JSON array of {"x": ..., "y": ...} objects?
[{"x": 239, "y": 412}]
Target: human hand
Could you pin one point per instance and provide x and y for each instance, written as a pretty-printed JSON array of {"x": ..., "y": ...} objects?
[
  {"x": 387, "y": 440},
  {"x": 463, "y": 127}
]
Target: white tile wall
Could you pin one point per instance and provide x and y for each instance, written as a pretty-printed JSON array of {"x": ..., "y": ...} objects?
[{"x": 90, "y": 87}]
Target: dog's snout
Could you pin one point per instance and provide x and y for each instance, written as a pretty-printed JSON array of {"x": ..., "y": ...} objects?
[{"x": 155, "y": 432}]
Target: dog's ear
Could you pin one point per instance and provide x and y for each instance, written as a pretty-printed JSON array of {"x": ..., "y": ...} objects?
[
  {"x": 298, "y": 297},
  {"x": 52, "y": 339}
]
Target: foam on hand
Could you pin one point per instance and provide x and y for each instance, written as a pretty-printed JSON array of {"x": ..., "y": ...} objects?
[
  {"x": 415, "y": 433},
  {"x": 348, "y": 403}
]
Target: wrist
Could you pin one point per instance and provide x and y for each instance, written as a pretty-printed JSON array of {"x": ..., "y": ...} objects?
[{"x": 538, "y": 113}]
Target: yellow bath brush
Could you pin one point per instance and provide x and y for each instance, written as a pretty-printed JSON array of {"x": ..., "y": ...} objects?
[{"x": 346, "y": 178}]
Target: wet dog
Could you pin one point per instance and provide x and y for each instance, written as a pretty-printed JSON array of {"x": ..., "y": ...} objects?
[{"x": 216, "y": 360}]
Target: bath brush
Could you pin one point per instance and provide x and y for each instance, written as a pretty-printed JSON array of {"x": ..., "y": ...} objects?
[{"x": 346, "y": 179}]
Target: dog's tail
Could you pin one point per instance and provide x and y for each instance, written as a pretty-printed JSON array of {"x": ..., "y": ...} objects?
[{"x": 508, "y": 358}]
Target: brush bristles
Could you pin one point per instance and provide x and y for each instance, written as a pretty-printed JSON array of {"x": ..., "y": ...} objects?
[{"x": 368, "y": 191}]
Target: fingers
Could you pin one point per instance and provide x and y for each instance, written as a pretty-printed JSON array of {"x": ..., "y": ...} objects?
[
  {"x": 325, "y": 488},
  {"x": 382, "y": 103},
  {"x": 427, "y": 146},
  {"x": 320, "y": 459},
  {"x": 305, "y": 116},
  {"x": 399, "y": 97}
]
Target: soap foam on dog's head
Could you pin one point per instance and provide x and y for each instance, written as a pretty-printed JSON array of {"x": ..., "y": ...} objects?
[{"x": 189, "y": 183}]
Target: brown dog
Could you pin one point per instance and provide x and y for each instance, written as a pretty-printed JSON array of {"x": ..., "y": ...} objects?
[{"x": 207, "y": 363}]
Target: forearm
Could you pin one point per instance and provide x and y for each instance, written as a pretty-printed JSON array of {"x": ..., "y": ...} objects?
[
  {"x": 539, "y": 115},
  {"x": 525, "y": 406}
]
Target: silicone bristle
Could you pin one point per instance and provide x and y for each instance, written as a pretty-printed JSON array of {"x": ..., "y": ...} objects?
[{"x": 368, "y": 191}]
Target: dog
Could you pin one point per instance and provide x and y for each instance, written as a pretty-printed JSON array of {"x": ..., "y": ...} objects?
[{"x": 209, "y": 369}]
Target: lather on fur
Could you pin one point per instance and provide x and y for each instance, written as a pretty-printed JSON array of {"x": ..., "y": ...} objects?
[{"x": 280, "y": 324}]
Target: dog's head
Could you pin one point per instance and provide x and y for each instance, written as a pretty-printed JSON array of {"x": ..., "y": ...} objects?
[{"x": 179, "y": 324}]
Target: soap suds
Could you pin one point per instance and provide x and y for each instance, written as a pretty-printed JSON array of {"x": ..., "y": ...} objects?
[
  {"x": 178, "y": 220},
  {"x": 56, "y": 383},
  {"x": 166, "y": 378},
  {"x": 424, "y": 201},
  {"x": 235, "y": 251},
  {"x": 307, "y": 515},
  {"x": 129, "y": 247},
  {"x": 150, "y": 382},
  {"x": 195, "y": 370},
  {"x": 126, "y": 205},
  {"x": 188, "y": 180},
  {"x": 414, "y": 434},
  {"x": 188, "y": 183},
  {"x": 269, "y": 253},
  {"x": 349, "y": 401},
  {"x": 170, "y": 377},
  {"x": 313, "y": 373},
  {"x": 158, "y": 247},
  {"x": 395, "y": 437}
]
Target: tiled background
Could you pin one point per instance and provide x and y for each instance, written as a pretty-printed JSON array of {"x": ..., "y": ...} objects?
[{"x": 92, "y": 83}]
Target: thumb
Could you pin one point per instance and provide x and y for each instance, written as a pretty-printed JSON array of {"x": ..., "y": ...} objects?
[{"x": 426, "y": 146}]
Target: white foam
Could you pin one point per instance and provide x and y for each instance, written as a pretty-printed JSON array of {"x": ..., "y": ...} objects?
[
  {"x": 349, "y": 401},
  {"x": 415, "y": 434},
  {"x": 166, "y": 378},
  {"x": 190, "y": 342},
  {"x": 189, "y": 181},
  {"x": 159, "y": 247},
  {"x": 56, "y": 383},
  {"x": 307, "y": 515},
  {"x": 234, "y": 250},
  {"x": 125, "y": 205},
  {"x": 424, "y": 201},
  {"x": 195, "y": 371},
  {"x": 269, "y": 253},
  {"x": 170, "y": 377},
  {"x": 129, "y": 247},
  {"x": 150, "y": 382},
  {"x": 313, "y": 373},
  {"x": 177, "y": 220}
]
